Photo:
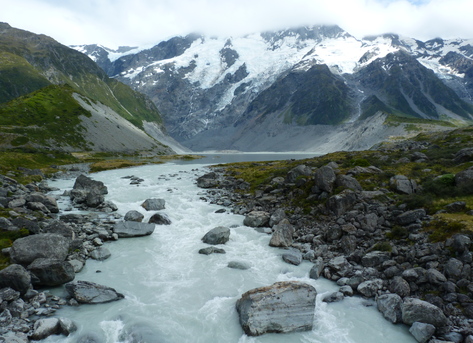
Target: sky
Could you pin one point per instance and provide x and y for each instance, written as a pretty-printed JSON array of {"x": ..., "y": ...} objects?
[{"x": 147, "y": 22}]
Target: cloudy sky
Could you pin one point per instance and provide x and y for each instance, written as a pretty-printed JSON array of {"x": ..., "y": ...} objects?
[{"x": 144, "y": 22}]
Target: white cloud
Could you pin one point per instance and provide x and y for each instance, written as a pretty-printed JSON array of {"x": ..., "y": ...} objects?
[{"x": 138, "y": 22}]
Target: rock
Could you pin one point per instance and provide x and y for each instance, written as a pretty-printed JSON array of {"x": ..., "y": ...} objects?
[
  {"x": 374, "y": 258},
  {"x": 60, "y": 228},
  {"x": 317, "y": 269},
  {"x": 342, "y": 202},
  {"x": 67, "y": 326},
  {"x": 464, "y": 179},
  {"x": 280, "y": 308},
  {"x": 292, "y": 256},
  {"x": 435, "y": 277},
  {"x": 37, "y": 206},
  {"x": 324, "y": 178},
  {"x": 400, "y": 286},
  {"x": 154, "y": 204},
  {"x": 370, "y": 288},
  {"x": 86, "y": 292},
  {"x": 453, "y": 268},
  {"x": 133, "y": 229},
  {"x": 422, "y": 332},
  {"x": 211, "y": 250},
  {"x": 16, "y": 277},
  {"x": 77, "y": 265},
  {"x": 238, "y": 265},
  {"x": 208, "y": 180},
  {"x": 133, "y": 216},
  {"x": 27, "y": 249},
  {"x": 256, "y": 219},
  {"x": 297, "y": 172},
  {"x": 339, "y": 265},
  {"x": 410, "y": 217},
  {"x": 402, "y": 184},
  {"x": 14, "y": 337},
  {"x": 88, "y": 191},
  {"x": 277, "y": 217},
  {"x": 390, "y": 307},
  {"x": 8, "y": 294},
  {"x": 282, "y": 235},
  {"x": 333, "y": 297},
  {"x": 457, "y": 206},
  {"x": 346, "y": 181},
  {"x": 45, "y": 327},
  {"x": 86, "y": 183},
  {"x": 464, "y": 155},
  {"x": 461, "y": 243},
  {"x": 49, "y": 202},
  {"x": 416, "y": 310},
  {"x": 159, "y": 219},
  {"x": 218, "y": 235},
  {"x": 346, "y": 291},
  {"x": 51, "y": 272},
  {"x": 100, "y": 254}
]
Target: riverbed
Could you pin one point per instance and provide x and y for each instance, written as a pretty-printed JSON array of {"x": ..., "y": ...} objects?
[{"x": 175, "y": 295}]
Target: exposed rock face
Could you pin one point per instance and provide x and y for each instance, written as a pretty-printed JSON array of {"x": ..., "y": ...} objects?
[
  {"x": 211, "y": 250},
  {"x": 91, "y": 293},
  {"x": 218, "y": 235},
  {"x": 133, "y": 229},
  {"x": 27, "y": 249},
  {"x": 416, "y": 310},
  {"x": 282, "y": 235},
  {"x": 52, "y": 272},
  {"x": 281, "y": 308}
]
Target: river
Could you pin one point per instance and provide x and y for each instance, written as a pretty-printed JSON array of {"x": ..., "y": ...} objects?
[{"x": 175, "y": 295}]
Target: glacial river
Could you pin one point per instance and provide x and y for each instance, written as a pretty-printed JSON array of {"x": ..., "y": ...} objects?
[{"x": 175, "y": 295}]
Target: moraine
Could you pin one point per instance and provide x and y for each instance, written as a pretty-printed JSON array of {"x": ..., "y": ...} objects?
[{"x": 174, "y": 294}]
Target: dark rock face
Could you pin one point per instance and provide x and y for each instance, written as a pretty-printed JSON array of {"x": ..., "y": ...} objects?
[
  {"x": 91, "y": 293},
  {"x": 25, "y": 250},
  {"x": 50, "y": 272},
  {"x": 133, "y": 229},
  {"x": 16, "y": 277},
  {"x": 281, "y": 308},
  {"x": 218, "y": 235}
]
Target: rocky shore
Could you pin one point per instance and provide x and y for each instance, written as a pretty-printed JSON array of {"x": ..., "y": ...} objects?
[{"x": 372, "y": 242}]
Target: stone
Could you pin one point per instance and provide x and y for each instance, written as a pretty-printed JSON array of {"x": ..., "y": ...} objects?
[
  {"x": 256, "y": 219},
  {"x": 280, "y": 308},
  {"x": 339, "y": 265},
  {"x": 154, "y": 204},
  {"x": 317, "y": 269},
  {"x": 333, "y": 297},
  {"x": 435, "y": 277},
  {"x": 282, "y": 235},
  {"x": 133, "y": 229},
  {"x": 14, "y": 337},
  {"x": 370, "y": 288},
  {"x": 86, "y": 183},
  {"x": 218, "y": 235},
  {"x": 159, "y": 219},
  {"x": 461, "y": 243},
  {"x": 51, "y": 272},
  {"x": 211, "y": 250},
  {"x": 45, "y": 327},
  {"x": 410, "y": 217},
  {"x": 390, "y": 307},
  {"x": 374, "y": 258},
  {"x": 416, "y": 310},
  {"x": 277, "y": 217},
  {"x": 208, "y": 180},
  {"x": 86, "y": 292},
  {"x": 77, "y": 265},
  {"x": 399, "y": 286},
  {"x": 324, "y": 178},
  {"x": 464, "y": 155},
  {"x": 422, "y": 332},
  {"x": 16, "y": 277},
  {"x": 9, "y": 294},
  {"x": 464, "y": 179},
  {"x": 346, "y": 181},
  {"x": 341, "y": 203},
  {"x": 48, "y": 201},
  {"x": 60, "y": 228},
  {"x": 402, "y": 184},
  {"x": 37, "y": 206},
  {"x": 134, "y": 216},
  {"x": 298, "y": 172},
  {"x": 27, "y": 249},
  {"x": 292, "y": 256},
  {"x": 100, "y": 254},
  {"x": 453, "y": 268},
  {"x": 238, "y": 265},
  {"x": 346, "y": 291},
  {"x": 457, "y": 206}
]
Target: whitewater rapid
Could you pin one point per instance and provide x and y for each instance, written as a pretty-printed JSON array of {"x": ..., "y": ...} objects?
[{"x": 175, "y": 295}]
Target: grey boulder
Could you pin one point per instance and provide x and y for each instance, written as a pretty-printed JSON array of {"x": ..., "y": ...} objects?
[
  {"x": 133, "y": 216},
  {"x": 154, "y": 204},
  {"x": 133, "y": 229},
  {"x": 159, "y": 219},
  {"x": 218, "y": 235},
  {"x": 100, "y": 254},
  {"x": 390, "y": 307},
  {"x": 27, "y": 249},
  {"x": 422, "y": 331},
  {"x": 280, "y": 308},
  {"x": 416, "y": 310},
  {"x": 86, "y": 292},
  {"x": 16, "y": 277},
  {"x": 257, "y": 219},
  {"x": 50, "y": 272},
  {"x": 282, "y": 235}
]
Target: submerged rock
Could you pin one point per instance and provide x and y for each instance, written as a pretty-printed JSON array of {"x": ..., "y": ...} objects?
[
  {"x": 86, "y": 292},
  {"x": 280, "y": 308}
]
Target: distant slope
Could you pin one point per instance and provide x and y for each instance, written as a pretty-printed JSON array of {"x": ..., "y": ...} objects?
[{"x": 31, "y": 62}]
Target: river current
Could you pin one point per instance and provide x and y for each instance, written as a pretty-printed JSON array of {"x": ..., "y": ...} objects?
[{"x": 175, "y": 295}]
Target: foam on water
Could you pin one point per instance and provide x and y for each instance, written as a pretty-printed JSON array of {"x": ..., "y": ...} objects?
[{"x": 174, "y": 295}]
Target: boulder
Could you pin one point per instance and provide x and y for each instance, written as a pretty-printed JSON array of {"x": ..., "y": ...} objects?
[
  {"x": 282, "y": 235},
  {"x": 154, "y": 204},
  {"x": 317, "y": 269},
  {"x": 453, "y": 268},
  {"x": 292, "y": 256},
  {"x": 50, "y": 272},
  {"x": 457, "y": 206},
  {"x": 399, "y": 286},
  {"x": 86, "y": 292},
  {"x": 390, "y": 307},
  {"x": 49, "y": 245},
  {"x": 88, "y": 191},
  {"x": 218, "y": 235},
  {"x": 464, "y": 179},
  {"x": 208, "y": 180},
  {"x": 422, "y": 332},
  {"x": 402, "y": 184},
  {"x": 277, "y": 217},
  {"x": 100, "y": 254},
  {"x": 45, "y": 327},
  {"x": 416, "y": 310},
  {"x": 133, "y": 229},
  {"x": 14, "y": 337},
  {"x": 370, "y": 288},
  {"x": 238, "y": 265},
  {"x": 86, "y": 183},
  {"x": 159, "y": 219},
  {"x": 48, "y": 201},
  {"x": 16, "y": 277},
  {"x": 211, "y": 250},
  {"x": 133, "y": 216},
  {"x": 256, "y": 219},
  {"x": 37, "y": 206},
  {"x": 410, "y": 217},
  {"x": 324, "y": 178},
  {"x": 342, "y": 202},
  {"x": 333, "y": 297},
  {"x": 61, "y": 228},
  {"x": 464, "y": 155},
  {"x": 280, "y": 308},
  {"x": 461, "y": 243},
  {"x": 346, "y": 181},
  {"x": 374, "y": 258},
  {"x": 340, "y": 265},
  {"x": 297, "y": 172}
]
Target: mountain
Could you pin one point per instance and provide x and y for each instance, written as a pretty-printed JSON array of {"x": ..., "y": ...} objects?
[
  {"x": 307, "y": 83},
  {"x": 52, "y": 96}
]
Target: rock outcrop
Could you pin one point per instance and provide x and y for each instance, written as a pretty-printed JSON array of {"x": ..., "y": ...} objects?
[{"x": 86, "y": 292}]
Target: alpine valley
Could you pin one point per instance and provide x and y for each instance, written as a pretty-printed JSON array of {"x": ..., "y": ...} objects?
[{"x": 306, "y": 89}]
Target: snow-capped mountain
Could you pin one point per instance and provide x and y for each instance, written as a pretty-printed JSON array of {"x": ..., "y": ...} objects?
[{"x": 214, "y": 91}]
